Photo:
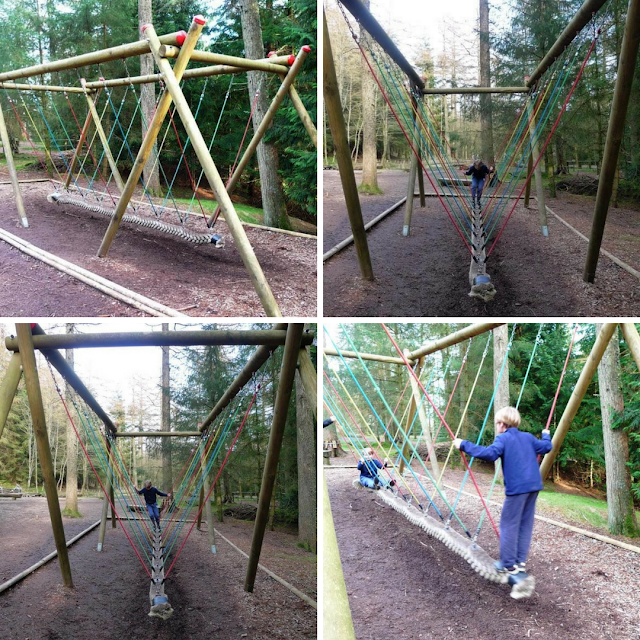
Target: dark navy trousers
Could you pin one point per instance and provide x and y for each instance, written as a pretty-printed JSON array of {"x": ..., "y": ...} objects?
[{"x": 516, "y": 527}]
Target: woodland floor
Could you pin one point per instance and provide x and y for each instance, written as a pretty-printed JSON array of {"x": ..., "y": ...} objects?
[
  {"x": 404, "y": 584},
  {"x": 426, "y": 273},
  {"x": 110, "y": 598},
  {"x": 202, "y": 280}
]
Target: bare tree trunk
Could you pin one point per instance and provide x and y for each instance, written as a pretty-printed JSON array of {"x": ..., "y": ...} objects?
[
  {"x": 167, "y": 480},
  {"x": 275, "y": 213},
  {"x": 151, "y": 173},
  {"x": 500, "y": 342},
  {"x": 369, "y": 182},
  {"x": 307, "y": 494},
  {"x": 71, "y": 500},
  {"x": 622, "y": 518},
  {"x": 485, "y": 81}
]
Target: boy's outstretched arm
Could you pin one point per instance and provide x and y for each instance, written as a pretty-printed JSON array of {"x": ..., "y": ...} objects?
[
  {"x": 545, "y": 445},
  {"x": 490, "y": 453}
]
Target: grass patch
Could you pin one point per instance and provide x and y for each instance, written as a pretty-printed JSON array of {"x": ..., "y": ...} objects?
[
  {"x": 21, "y": 161},
  {"x": 71, "y": 513},
  {"x": 370, "y": 190},
  {"x": 246, "y": 213}
]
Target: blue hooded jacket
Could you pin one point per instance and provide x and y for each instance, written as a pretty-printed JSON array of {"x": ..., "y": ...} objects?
[
  {"x": 369, "y": 468},
  {"x": 519, "y": 452}
]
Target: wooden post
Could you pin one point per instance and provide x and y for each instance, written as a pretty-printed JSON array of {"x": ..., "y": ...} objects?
[
  {"x": 629, "y": 332},
  {"x": 83, "y": 136},
  {"x": 542, "y": 210},
  {"x": 337, "y": 622},
  {"x": 588, "y": 371},
  {"x": 423, "y": 199},
  {"x": 105, "y": 505},
  {"x": 280, "y": 410},
  {"x": 13, "y": 174},
  {"x": 343, "y": 154},
  {"x": 149, "y": 140},
  {"x": 269, "y": 115},
  {"x": 103, "y": 138},
  {"x": 32, "y": 383},
  {"x": 309, "y": 379},
  {"x": 527, "y": 187},
  {"x": 410, "y": 417},
  {"x": 172, "y": 82},
  {"x": 207, "y": 505},
  {"x": 408, "y": 209},
  {"x": 198, "y": 526},
  {"x": 9, "y": 387},
  {"x": 617, "y": 120}
]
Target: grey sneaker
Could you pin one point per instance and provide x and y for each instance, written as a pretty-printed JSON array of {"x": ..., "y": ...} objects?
[{"x": 522, "y": 585}]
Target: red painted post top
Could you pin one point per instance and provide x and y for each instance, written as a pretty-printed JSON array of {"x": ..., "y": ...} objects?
[
  {"x": 291, "y": 59},
  {"x": 306, "y": 48},
  {"x": 144, "y": 27},
  {"x": 181, "y": 36},
  {"x": 33, "y": 325},
  {"x": 101, "y": 79},
  {"x": 199, "y": 20},
  {"x": 271, "y": 54}
]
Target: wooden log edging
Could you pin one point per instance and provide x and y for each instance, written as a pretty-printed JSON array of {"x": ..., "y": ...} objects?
[
  {"x": 284, "y": 583},
  {"x": 21, "y": 576},
  {"x": 103, "y": 285}
]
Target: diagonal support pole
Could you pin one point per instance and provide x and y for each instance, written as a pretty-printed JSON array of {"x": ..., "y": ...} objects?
[
  {"x": 287, "y": 83},
  {"x": 304, "y": 115},
  {"x": 13, "y": 174},
  {"x": 103, "y": 137},
  {"x": 152, "y": 133},
  {"x": 9, "y": 387},
  {"x": 172, "y": 82}
]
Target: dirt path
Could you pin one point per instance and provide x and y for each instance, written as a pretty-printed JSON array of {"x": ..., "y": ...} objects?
[
  {"x": 110, "y": 595},
  {"x": 169, "y": 270},
  {"x": 426, "y": 274},
  {"x": 403, "y": 583}
]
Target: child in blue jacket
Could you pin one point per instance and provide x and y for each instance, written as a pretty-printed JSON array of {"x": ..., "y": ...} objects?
[
  {"x": 522, "y": 482},
  {"x": 478, "y": 172},
  {"x": 150, "y": 494},
  {"x": 369, "y": 467}
]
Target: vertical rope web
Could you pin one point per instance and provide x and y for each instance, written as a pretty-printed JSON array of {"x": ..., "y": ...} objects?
[
  {"x": 479, "y": 227},
  {"x": 158, "y": 552}
]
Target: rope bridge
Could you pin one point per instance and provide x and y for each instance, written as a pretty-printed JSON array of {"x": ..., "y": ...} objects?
[
  {"x": 478, "y": 227},
  {"x": 412, "y": 483},
  {"x": 158, "y": 550}
]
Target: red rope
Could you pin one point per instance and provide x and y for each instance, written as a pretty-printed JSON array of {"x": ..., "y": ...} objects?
[
  {"x": 566, "y": 362},
  {"x": 213, "y": 484},
  {"x": 555, "y": 126},
  {"x": 443, "y": 421}
]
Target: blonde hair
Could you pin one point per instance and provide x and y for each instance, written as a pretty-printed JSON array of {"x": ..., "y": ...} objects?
[
  {"x": 368, "y": 453},
  {"x": 508, "y": 415},
  {"x": 147, "y": 483}
]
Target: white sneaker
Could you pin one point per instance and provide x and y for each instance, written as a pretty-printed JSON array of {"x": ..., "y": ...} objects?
[{"x": 523, "y": 585}]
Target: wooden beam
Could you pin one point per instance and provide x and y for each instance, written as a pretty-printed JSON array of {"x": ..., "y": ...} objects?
[
  {"x": 588, "y": 371},
  {"x": 13, "y": 174},
  {"x": 343, "y": 154},
  {"x": 365, "y": 356},
  {"x": 280, "y": 411},
  {"x": 95, "y": 57},
  {"x": 617, "y": 121},
  {"x": 459, "y": 336},
  {"x": 268, "y": 337},
  {"x": 172, "y": 83},
  {"x": 58, "y": 361},
  {"x": 233, "y": 61},
  {"x": 157, "y": 434},
  {"x": 39, "y": 87},
  {"x": 473, "y": 90},
  {"x": 8, "y": 388},
  {"x": 34, "y": 394},
  {"x": 265, "y": 123},
  {"x": 150, "y": 138}
]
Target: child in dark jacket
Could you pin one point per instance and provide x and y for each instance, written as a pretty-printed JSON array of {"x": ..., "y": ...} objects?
[
  {"x": 478, "y": 172},
  {"x": 522, "y": 482},
  {"x": 150, "y": 494},
  {"x": 369, "y": 467}
]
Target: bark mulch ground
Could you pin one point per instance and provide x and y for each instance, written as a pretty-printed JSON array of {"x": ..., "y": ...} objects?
[
  {"x": 426, "y": 273},
  {"x": 167, "y": 269},
  {"x": 404, "y": 584},
  {"x": 111, "y": 589}
]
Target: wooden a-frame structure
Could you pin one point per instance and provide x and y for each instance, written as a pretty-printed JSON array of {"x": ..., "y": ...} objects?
[{"x": 31, "y": 337}]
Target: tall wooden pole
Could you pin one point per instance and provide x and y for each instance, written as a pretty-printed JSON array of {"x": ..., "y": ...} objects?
[
  {"x": 337, "y": 621},
  {"x": 108, "y": 496},
  {"x": 343, "y": 154},
  {"x": 32, "y": 383},
  {"x": 631, "y": 337},
  {"x": 172, "y": 82},
  {"x": 13, "y": 174},
  {"x": 206, "y": 485},
  {"x": 588, "y": 371},
  {"x": 535, "y": 151},
  {"x": 309, "y": 379},
  {"x": 527, "y": 188},
  {"x": 281, "y": 408},
  {"x": 413, "y": 407},
  {"x": 617, "y": 120},
  {"x": 150, "y": 139},
  {"x": 9, "y": 387},
  {"x": 411, "y": 185}
]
